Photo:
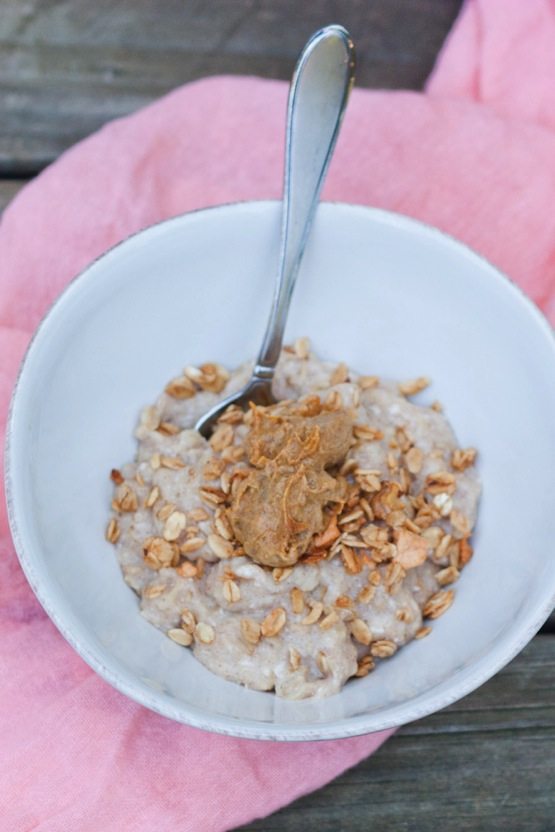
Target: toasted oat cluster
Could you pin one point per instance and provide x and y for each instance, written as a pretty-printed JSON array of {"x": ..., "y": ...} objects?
[{"x": 302, "y": 542}]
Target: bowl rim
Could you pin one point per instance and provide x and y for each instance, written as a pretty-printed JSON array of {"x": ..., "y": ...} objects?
[{"x": 464, "y": 681}]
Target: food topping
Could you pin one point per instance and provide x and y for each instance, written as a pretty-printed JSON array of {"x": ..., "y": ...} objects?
[{"x": 279, "y": 506}]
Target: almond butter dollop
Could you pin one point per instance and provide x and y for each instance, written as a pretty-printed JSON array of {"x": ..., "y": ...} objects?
[{"x": 279, "y": 506}]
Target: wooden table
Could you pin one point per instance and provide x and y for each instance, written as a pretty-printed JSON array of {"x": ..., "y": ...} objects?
[{"x": 66, "y": 67}]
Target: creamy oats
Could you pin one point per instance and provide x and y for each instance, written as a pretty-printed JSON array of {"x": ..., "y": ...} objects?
[{"x": 301, "y": 542}]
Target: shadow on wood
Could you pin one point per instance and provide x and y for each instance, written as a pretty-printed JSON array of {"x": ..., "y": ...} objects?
[{"x": 68, "y": 66}]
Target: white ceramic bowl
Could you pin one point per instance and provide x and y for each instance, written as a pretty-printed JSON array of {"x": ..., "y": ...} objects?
[{"x": 379, "y": 291}]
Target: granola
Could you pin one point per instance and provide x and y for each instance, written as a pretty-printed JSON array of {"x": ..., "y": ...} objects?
[{"x": 304, "y": 543}]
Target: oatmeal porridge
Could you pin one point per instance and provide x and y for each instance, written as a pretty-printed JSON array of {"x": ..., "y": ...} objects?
[{"x": 305, "y": 542}]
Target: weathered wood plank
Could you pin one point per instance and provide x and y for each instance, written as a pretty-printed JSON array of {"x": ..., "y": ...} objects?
[
  {"x": 485, "y": 763},
  {"x": 8, "y": 189},
  {"x": 68, "y": 66}
]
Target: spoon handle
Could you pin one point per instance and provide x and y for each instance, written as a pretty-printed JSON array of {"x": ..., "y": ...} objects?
[{"x": 320, "y": 87}]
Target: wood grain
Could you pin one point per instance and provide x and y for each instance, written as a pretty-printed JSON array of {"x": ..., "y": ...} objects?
[
  {"x": 68, "y": 66},
  {"x": 486, "y": 763}
]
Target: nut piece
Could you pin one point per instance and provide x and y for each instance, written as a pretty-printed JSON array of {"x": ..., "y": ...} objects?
[
  {"x": 297, "y": 600},
  {"x": 193, "y": 544},
  {"x": 414, "y": 459},
  {"x": 393, "y": 576},
  {"x": 340, "y": 374},
  {"x": 197, "y": 515},
  {"x": 174, "y": 525},
  {"x": 365, "y": 666},
  {"x": 368, "y": 382},
  {"x": 383, "y": 649},
  {"x": 222, "y": 548},
  {"x": 174, "y": 463},
  {"x": 165, "y": 511},
  {"x": 181, "y": 388},
  {"x": 347, "y": 519},
  {"x": 168, "y": 429},
  {"x": 154, "y": 591},
  {"x": 231, "y": 591},
  {"x": 374, "y": 578},
  {"x": 188, "y": 570},
  {"x": 447, "y": 576},
  {"x": 329, "y": 620},
  {"x": 443, "y": 503},
  {"x": 225, "y": 482},
  {"x": 465, "y": 552},
  {"x": 463, "y": 458},
  {"x": 328, "y": 536},
  {"x": 233, "y": 453},
  {"x": 222, "y": 525},
  {"x": 188, "y": 620},
  {"x": 460, "y": 522},
  {"x": 210, "y": 377},
  {"x": 250, "y": 630},
  {"x": 310, "y": 406},
  {"x": 153, "y": 496},
  {"x": 322, "y": 663},
  {"x": 294, "y": 658},
  {"x": 333, "y": 401},
  {"x": 412, "y": 549},
  {"x": 232, "y": 415},
  {"x": 314, "y": 614},
  {"x": 215, "y": 496},
  {"x": 423, "y": 632},
  {"x": 414, "y": 386},
  {"x": 350, "y": 561},
  {"x": 221, "y": 438},
  {"x": 214, "y": 468},
  {"x": 442, "y": 547},
  {"x": 116, "y": 476},
  {"x": 360, "y": 631},
  {"x": 302, "y": 347},
  {"x": 159, "y": 553},
  {"x": 374, "y": 536},
  {"x": 367, "y": 433},
  {"x": 204, "y": 633},
  {"x": 281, "y": 573},
  {"x": 181, "y": 637},
  {"x": 112, "y": 531},
  {"x": 125, "y": 499},
  {"x": 366, "y": 594},
  {"x": 433, "y": 534},
  {"x": 150, "y": 418},
  {"x": 438, "y": 603},
  {"x": 273, "y": 623},
  {"x": 441, "y": 481}
]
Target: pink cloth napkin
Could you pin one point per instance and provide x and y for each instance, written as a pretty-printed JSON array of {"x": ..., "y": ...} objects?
[{"x": 474, "y": 155}]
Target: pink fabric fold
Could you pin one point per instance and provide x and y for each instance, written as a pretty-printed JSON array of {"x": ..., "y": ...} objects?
[
  {"x": 475, "y": 156},
  {"x": 501, "y": 53}
]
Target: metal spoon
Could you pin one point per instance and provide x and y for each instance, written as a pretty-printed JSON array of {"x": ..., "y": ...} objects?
[{"x": 318, "y": 95}]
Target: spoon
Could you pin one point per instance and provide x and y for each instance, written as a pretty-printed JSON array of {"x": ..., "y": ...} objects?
[{"x": 318, "y": 95}]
